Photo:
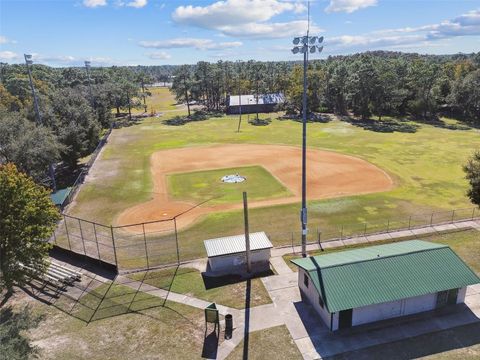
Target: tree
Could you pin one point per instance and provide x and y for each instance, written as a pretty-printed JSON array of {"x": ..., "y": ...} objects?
[
  {"x": 182, "y": 85},
  {"x": 75, "y": 123},
  {"x": 31, "y": 148},
  {"x": 27, "y": 218},
  {"x": 472, "y": 170},
  {"x": 422, "y": 79},
  {"x": 14, "y": 344},
  {"x": 466, "y": 96}
]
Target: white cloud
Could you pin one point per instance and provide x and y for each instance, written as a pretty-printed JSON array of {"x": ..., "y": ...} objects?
[
  {"x": 94, "y": 3},
  {"x": 200, "y": 44},
  {"x": 464, "y": 25},
  {"x": 244, "y": 18},
  {"x": 5, "y": 40},
  {"x": 8, "y": 55},
  {"x": 270, "y": 30},
  {"x": 159, "y": 55},
  {"x": 137, "y": 3},
  {"x": 349, "y": 6}
]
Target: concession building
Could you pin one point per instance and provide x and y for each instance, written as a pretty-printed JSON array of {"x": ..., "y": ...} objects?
[{"x": 361, "y": 286}]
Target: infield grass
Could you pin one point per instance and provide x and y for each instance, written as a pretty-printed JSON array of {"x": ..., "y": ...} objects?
[{"x": 200, "y": 185}]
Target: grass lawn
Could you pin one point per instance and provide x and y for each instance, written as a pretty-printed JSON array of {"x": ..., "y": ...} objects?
[
  {"x": 160, "y": 100},
  {"x": 465, "y": 243},
  {"x": 222, "y": 290},
  {"x": 150, "y": 329},
  {"x": 460, "y": 343},
  {"x": 200, "y": 185},
  {"x": 274, "y": 343},
  {"x": 426, "y": 166}
]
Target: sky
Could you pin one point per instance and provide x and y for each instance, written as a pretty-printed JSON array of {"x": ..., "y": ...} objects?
[{"x": 160, "y": 32}]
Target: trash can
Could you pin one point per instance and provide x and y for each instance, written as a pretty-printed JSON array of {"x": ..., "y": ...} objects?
[{"x": 228, "y": 326}]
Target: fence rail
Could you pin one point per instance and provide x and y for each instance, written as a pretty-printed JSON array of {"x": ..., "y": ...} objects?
[{"x": 147, "y": 245}]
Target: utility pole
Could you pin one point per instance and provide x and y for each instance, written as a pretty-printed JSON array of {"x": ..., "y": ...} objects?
[
  {"x": 38, "y": 117},
  {"x": 28, "y": 62},
  {"x": 239, "y": 103},
  {"x": 247, "y": 233},
  {"x": 87, "y": 69}
]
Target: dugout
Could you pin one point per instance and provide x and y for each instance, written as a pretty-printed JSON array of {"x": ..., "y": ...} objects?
[{"x": 228, "y": 254}]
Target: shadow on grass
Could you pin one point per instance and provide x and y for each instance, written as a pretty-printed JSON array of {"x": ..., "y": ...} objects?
[
  {"x": 212, "y": 282},
  {"x": 92, "y": 299},
  {"x": 383, "y": 126}
]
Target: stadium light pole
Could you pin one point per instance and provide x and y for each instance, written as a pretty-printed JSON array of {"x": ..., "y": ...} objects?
[
  {"x": 304, "y": 45},
  {"x": 87, "y": 69},
  {"x": 28, "y": 62}
]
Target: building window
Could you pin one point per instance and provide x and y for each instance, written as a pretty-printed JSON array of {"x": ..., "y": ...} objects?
[
  {"x": 305, "y": 280},
  {"x": 320, "y": 301}
]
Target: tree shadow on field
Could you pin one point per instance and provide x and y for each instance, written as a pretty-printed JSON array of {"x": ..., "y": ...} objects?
[{"x": 383, "y": 126}]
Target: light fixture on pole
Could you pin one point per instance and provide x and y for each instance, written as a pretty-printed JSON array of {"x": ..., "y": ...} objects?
[
  {"x": 29, "y": 62},
  {"x": 304, "y": 45},
  {"x": 87, "y": 69}
]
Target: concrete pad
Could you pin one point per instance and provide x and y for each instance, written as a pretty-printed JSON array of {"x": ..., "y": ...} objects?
[
  {"x": 280, "y": 266},
  {"x": 355, "y": 240},
  {"x": 423, "y": 231},
  {"x": 378, "y": 237},
  {"x": 280, "y": 281}
]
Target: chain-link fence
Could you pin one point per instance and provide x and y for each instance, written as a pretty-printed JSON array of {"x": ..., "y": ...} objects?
[{"x": 159, "y": 243}]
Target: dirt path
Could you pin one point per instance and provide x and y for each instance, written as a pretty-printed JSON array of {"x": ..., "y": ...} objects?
[{"x": 329, "y": 175}]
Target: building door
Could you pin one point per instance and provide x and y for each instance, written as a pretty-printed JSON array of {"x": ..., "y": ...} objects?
[
  {"x": 345, "y": 319},
  {"x": 452, "y": 296}
]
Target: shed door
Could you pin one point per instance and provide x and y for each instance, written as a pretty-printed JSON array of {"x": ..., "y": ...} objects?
[
  {"x": 442, "y": 298},
  {"x": 345, "y": 319}
]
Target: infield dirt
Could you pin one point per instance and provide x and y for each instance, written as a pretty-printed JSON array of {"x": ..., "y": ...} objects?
[{"x": 329, "y": 174}]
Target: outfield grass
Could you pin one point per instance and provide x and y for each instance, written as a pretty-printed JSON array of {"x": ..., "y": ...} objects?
[
  {"x": 200, "y": 185},
  {"x": 160, "y": 100},
  {"x": 222, "y": 290},
  {"x": 426, "y": 167},
  {"x": 466, "y": 243}
]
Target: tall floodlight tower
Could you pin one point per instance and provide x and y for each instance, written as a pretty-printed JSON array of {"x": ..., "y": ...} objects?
[
  {"x": 87, "y": 69},
  {"x": 305, "y": 45},
  {"x": 28, "y": 62},
  {"x": 38, "y": 117}
]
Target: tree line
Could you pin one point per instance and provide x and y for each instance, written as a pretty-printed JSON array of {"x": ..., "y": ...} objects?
[
  {"x": 372, "y": 83},
  {"x": 74, "y": 109}
]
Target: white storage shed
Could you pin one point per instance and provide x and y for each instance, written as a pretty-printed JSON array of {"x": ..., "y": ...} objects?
[{"x": 228, "y": 254}]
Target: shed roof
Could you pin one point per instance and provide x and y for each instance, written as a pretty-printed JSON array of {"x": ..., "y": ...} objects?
[
  {"x": 277, "y": 98},
  {"x": 236, "y": 244},
  {"x": 383, "y": 273}
]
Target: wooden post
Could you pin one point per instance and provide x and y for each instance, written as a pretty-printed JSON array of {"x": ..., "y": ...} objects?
[{"x": 247, "y": 233}]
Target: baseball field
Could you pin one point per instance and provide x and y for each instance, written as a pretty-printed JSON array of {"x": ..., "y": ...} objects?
[{"x": 152, "y": 171}]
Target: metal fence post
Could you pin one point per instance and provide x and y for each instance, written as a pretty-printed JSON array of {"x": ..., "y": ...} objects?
[
  {"x": 66, "y": 230},
  {"x": 473, "y": 214},
  {"x": 341, "y": 233},
  {"x": 96, "y": 242},
  {"x": 409, "y": 221},
  {"x": 431, "y": 219},
  {"x": 453, "y": 215},
  {"x": 81, "y": 235},
  {"x": 145, "y": 241},
  {"x": 114, "y": 247},
  {"x": 293, "y": 247},
  {"x": 365, "y": 229},
  {"x": 388, "y": 225}
]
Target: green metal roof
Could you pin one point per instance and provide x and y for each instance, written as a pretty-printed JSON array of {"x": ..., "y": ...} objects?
[
  {"x": 382, "y": 273},
  {"x": 59, "y": 197}
]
